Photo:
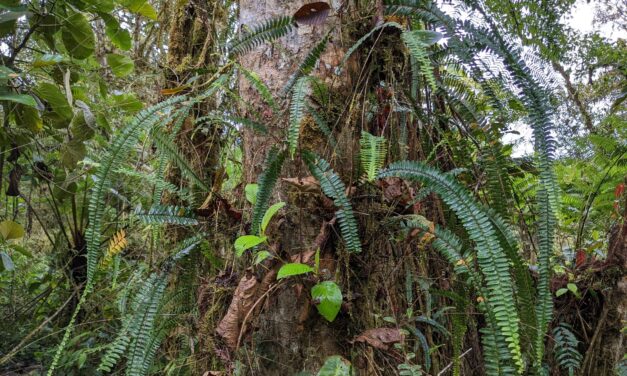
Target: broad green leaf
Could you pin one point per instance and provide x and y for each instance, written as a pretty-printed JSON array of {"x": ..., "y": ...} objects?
[
  {"x": 77, "y": 36},
  {"x": 119, "y": 36},
  {"x": 261, "y": 256},
  {"x": 57, "y": 101},
  {"x": 11, "y": 230},
  {"x": 251, "y": 192},
  {"x": 47, "y": 60},
  {"x": 561, "y": 292},
  {"x": 81, "y": 131},
  {"x": 572, "y": 287},
  {"x": 292, "y": 269},
  {"x": 336, "y": 366},
  {"x": 19, "y": 98},
  {"x": 29, "y": 118},
  {"x": 247, "y": 242},
  {"x": 100, "y": 5},
  {"x": 7, "y": 263},
  {"x": 328, "y": 298},
  {"x": 127, "y": 102},
  {"x": 272, "y": 210},
  {"x": 120, "y": 65},
  {"x": 141, "y": 7},
  {"x": 13, "y": 15},
  {"x": 72, "y": 152}
]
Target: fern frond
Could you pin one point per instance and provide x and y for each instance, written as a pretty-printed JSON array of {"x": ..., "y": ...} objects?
[
  {"x": 166, "y": 146},
  {"x": 267, "y": 31},
  {"x": 367, "y": 36},
  {"x": 266, "y": 182},
  {"x": 260, "y": 86},
  {"x": 297, "y": 112},
  {"x": 372, "y": 154},
  {"x": 308, "y": 64},
  {"x": 117, "y": 243},
  {"x": 418, "y": 50},
  {"x": 334, "y": 188},
  {"x": 566, "y": 354},
  {"x": 321, "y": 123},
  {"x": 490, "y": 256},
  {"x": 167, "y": 214}
]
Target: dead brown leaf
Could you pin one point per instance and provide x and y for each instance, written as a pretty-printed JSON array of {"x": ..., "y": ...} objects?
[
  {"x": 312, "y": 13},
  {"x": 243, "y": 301},
  {"x": 380, "y": 338}
]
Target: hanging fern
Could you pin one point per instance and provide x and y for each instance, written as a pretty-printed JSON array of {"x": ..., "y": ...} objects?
[
  {"x": 166, "y": 146},
  {"x": 372, "y": 154},
  {"x": 267, "y": 180},
  {"x": 297, "y": 112},
  {"x": 333, "y": 187},
  {"x": 566, "y": 354},
  {"x": 167, "y": 214},
  {"x": 367, "y": 36},
  {"x": 321, "y": 123},
  {"x": 260, "y": 86},
  {"x": 308, "y": 64},
  {"x": 418, "y": 50},
  {"x": 490, "y": 256},
  {"x": 268, "y": 31}
]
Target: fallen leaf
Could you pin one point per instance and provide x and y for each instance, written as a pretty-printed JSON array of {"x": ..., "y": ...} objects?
[
  {"x": 380, "y": 338},
  {"x": 243, "y": 301}
]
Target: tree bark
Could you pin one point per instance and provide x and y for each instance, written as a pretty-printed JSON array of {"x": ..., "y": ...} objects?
[{"x": 287, "y": 339}]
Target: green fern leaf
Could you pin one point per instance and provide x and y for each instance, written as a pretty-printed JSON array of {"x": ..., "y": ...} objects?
[
  {"x": 372, "y": 154},
  {"x": 268, "y": 31},
  {"x": 333, "y": 187},
  {"x": 297, "y": 112},
  {"x": 267, "y": 180}
]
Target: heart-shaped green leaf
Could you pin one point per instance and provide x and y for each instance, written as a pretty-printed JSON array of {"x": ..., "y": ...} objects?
[
  {"x": 328, "y": 298},
  {"x": 120, "y": 65}
]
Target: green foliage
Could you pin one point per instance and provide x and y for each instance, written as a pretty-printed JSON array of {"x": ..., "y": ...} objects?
[
  {"x": 167, "y": 214},
  {"x": 267, "y": 181},
  {"x": 333, "y": 187},
  {"x": 417, "y": 49},
  {"x": 297, "y": 112},
  {"x": 566, "y": 354},
  {"x": 336, "y": 366},
  {"x": 308, "y": 64},
  {"x": 267, "y": 31},
  {"x": 372, "y": 154},
  {"x": 292, "y": 269},
  {"x": 327, "y": 297},
  {"x": 491, "y": 258}
]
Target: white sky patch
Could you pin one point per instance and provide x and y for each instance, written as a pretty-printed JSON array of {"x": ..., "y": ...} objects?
[{"x": 581, "y": 19}]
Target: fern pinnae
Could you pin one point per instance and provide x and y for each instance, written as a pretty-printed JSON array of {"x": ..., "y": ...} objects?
[
  {"x": 266, "y": 182},
  {"x": 167, "y": 214},
  {"x": 321, "y": 123},
  {"x": 490, "y": 255},
  {"x": 267, "y": 31},
  {"x": 308, "y": 64},
  {"x": 166, "y": 146},
  {"x": 418, "y": 50},
  {"x": 260, "y": 86},
  {"x": 333, "y": 187},
  {"x": 372, "y": 154},
  {"x": 297, "y": 112}
]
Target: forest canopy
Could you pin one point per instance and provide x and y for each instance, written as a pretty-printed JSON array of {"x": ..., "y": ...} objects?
[{"x": 341, "y": 187}]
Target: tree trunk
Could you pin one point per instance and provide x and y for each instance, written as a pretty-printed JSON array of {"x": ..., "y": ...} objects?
[{"x": 288, "y": 337}]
